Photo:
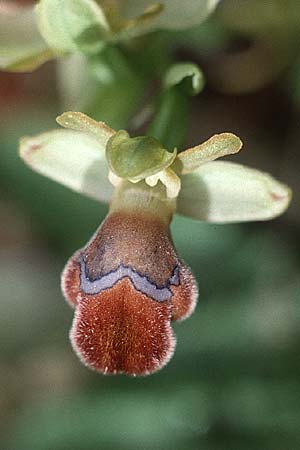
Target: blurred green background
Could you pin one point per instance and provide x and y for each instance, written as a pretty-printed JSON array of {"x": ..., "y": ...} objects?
[{"x": 233, "y": 382}]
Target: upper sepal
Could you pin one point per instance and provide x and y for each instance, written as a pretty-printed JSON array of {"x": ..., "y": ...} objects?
[{"x": 137, "y": 158}]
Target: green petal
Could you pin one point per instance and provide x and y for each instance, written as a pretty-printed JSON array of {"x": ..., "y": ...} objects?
[
  {"x": 137, "y": 158},
  {"x": 80, "y": 122},
  {"x": 217, "y": 146},
  {"x": 72, "y": 158},
  {"x": 186, "y": 74},
  {"x": 176, "y": 14},
  {"x": 22, "y": 48},
  {"x": 228, "y": 192},
  {"x": 72, "y": 25}
]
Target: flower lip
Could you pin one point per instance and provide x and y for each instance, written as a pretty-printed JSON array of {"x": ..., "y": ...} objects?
[
  {"x": 126, "y": 285},
  {"x": 121, "y": 331}
]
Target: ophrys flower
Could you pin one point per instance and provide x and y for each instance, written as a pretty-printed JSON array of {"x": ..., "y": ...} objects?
[
  {"x": 30, "y": 36},
  {"x": 128, "y": 283}
]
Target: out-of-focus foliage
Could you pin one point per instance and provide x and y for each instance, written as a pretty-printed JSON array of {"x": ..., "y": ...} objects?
[
  {"x": 107, "y": 87},
  {"x": 234, "y": 380}
]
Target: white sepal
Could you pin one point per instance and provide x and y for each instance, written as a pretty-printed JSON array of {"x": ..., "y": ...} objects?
[
  {"x": 74, "y": 159},
  {"x": 221, "y": 191}
]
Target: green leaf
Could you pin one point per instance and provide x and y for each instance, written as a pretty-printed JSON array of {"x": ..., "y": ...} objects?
[
  {"x": 217, "y": 146},
  {"x": 72, "y": 158},
  {"x": 227, "y": 192},
  {"x": 72, "y": 25},
  {"x": 187, "y": 75},
  {"x": 22, "y": 48},
  {"x": 136, "y": 158}
]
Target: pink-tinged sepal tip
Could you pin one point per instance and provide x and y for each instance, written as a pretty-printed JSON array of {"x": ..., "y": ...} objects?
[{"x": 126, "y": 286}]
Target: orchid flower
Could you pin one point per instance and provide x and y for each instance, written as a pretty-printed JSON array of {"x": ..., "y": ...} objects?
[
  {"x": 30, "y": 36},
  {"x": 128, "y": 282}
]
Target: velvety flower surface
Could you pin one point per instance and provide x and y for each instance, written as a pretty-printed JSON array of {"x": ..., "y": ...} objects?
[
  {"x": 126, "y": 286},
  {"x": 128, "y": 283}
]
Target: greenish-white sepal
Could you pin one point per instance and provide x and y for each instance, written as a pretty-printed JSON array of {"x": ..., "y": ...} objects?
[
  {"x": 72, "y": 158},
  {"x": 137, "y": 158},
  {"x": 81, "y": 122},
  {"x": 22, "y": 48},
  {"x": 72, "y": 25},
  {"x": 175, "y": 14},
  {"x": 221, "y": 191},
  {"x": 217, "y": 146},
  {"x": 188, "y": 73}
]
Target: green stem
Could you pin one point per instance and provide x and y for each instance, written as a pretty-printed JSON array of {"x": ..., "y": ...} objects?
[{"x": 169, "y": 124}]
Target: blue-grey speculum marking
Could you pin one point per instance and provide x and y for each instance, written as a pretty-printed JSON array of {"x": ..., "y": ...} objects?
[{"x": 141, "y": 283}]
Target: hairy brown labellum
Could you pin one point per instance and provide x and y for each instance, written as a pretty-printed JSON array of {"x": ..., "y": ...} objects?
[{"x": 126, "y": 286}]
